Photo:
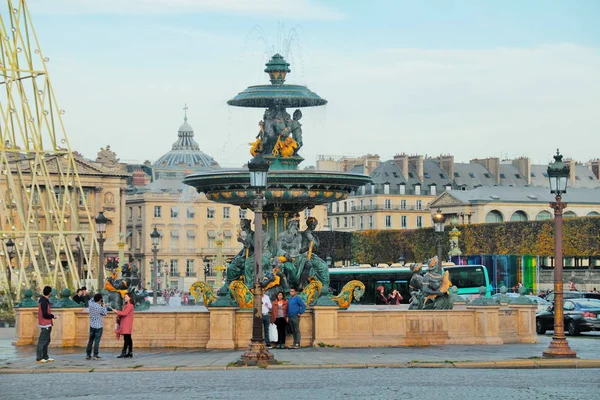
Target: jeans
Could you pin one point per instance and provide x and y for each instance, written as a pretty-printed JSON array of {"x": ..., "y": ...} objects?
[
  {"x": 127, "y": 344},
  {"x": 295, "y": 324},
  {"x": 43, "y": 342},
  {"x": 266, "y": 319},
  {"x": 95, "y": 335}
]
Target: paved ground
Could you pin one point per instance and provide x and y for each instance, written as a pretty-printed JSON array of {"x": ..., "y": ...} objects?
[
  {"x": 330, "y": 384},
  {"x": 22, "y": 359}
]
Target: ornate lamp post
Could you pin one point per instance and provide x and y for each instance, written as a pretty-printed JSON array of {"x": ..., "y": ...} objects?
[
  {"x": 154, "y": 236},
  {"x": 101, "y": 221},
  {"x": 438, "y": 222},
  {"x": 10, "y": 248},
  {"x": 558, "y": 173},
  {"x": 257, "y": 352}
]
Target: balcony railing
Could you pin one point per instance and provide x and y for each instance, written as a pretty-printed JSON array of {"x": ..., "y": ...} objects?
[{"x": 382, "y": 207}]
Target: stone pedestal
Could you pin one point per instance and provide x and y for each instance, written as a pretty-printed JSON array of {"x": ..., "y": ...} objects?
[
  {"x": 26, "y": 326},
  {"x": 222, "y": 328},
  {"x": 486, "y": 324},
  {"x": 326, "y": 325},
  {"x": 525, "y": 322}
]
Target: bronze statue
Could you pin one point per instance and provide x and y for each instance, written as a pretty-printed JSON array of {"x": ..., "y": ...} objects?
[
  {"x": 237, "y": 266},
  {"x": 289, "y": 244},
  {"x": 314, "y": 265}
]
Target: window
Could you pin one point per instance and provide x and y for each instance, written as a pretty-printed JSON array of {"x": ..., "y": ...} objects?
[
  {"x": 352, "y": 222},
  {"x": 242, "y": 213},
  {"x": 157, "y": 211},
  {"x": 426, "y": 175},
  {"x": 417, "y": 189},
  {"x": 494, "y": 216},
  {"x": 370, "y": 222},
  {"x": 388, "y": 221},
  {"x": 402, "y": 189},
  {"x": 174, "y": 242},
  {"x": 442, "y": 176},
  {"x": 386, "y": 188},
  {"x": 345, "y": 207},
  {"x": 139, "y": 213},
  {"x": 403, "y": 204},
  {"x": 543, "y": 215},
  {"x": 362, "y": 204},
  {"x": 545, "y": 174},
  {"x": 502, "y": 176},
  {"x": 371, "y": 204},
  {"x": 433, "y": 190},
  {"x": 83, "y": 198},
  {"x": 518, "y": 176},
  {"x": 456, "y": 175},
  {"x": 190, "y": 270},
  {"x": 337, "y": 222},
  {"x": 210, "y": 213},
  {"x": 472, "y": 175},
  {"x": 139, "y": 240},
  {"x": 388, "y": 204},
  {"x": 411, "y": 175},
  {"x": 190, "y": 213},
  {"x": 226, "y": 212},
  {"x": 174, "y": 212},
  {"x": 487, "y": 175},
  {"x": 448, "y": 187},
  {"x": 419, "y": 221},
  {"x": 352, "y": 205},
  {"x": 532, "y": 175},
  {"x": 174, "y": 268},
  {"x": 361, "y": 224},
  {"x": 404, "y": 221},
  {"x": 577, "y": 178},
  {"x": 307, "y": 212},
  {"x": 345, "y": 222},
  {"x": 419, "y": 205},
  {"x": 337, "y": 207},
  {"x": 363, "y": 190}
]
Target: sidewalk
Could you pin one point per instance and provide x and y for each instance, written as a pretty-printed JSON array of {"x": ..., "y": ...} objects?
[{"x": 22, "y": 359}]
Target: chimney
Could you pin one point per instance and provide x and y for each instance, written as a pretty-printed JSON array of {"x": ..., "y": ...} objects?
[
  {"x": 417, "y": 164},
  {"x": 139, "y": 178},
  {"x": 401, "y": 160},
  {"x": 523, "y": 164},
  {"x": 371, "y": 161},
  {"x": 572, "y": 172},
  {"x": 492, "y": 164},
  {"x": 594, "y": 165},
  {"x": 446, "y": 163}
]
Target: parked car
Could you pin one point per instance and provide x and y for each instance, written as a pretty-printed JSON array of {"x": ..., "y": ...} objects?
[
  {"x": 575, "y": 295},
  {"x": 580, "y": 315},
  {"x": 542, "y": 304}
]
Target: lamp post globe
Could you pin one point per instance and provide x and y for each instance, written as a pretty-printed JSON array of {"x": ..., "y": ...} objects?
[
  {"x": 558, "y": 174},
  {"x": 101, "y": 221},
  {"x": 154, "y": 236},
  {"x": 438, "y": 222}
]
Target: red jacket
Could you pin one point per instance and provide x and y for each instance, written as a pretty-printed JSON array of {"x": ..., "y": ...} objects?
[
  {"x": 126, "y": 319},
  {"x": 276, "y": 307},
  {"x": 45, "y": 317}
]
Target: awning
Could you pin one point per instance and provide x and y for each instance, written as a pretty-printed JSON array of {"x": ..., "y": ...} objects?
[
  {"x": 191, "y": 234},
  {"x": 211, "y": 234},
  {"x": 227, "y": 234},
  {"x": 175, "y": 233}
]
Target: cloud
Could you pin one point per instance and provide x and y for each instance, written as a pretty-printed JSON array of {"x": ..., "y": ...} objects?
[{"x": 279, "y": 9}]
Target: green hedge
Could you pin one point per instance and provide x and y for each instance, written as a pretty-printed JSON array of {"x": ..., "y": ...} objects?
[{"x": 581, "y": 238}]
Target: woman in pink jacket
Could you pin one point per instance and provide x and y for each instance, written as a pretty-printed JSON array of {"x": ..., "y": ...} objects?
[{"x": 126, "y": 326}]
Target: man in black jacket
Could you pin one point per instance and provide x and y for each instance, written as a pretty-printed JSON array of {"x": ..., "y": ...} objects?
[{"x": 45, "y": 318}]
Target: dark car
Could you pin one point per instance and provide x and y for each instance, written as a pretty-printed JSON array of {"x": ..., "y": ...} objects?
[
  {"x": 575, "y": 295},
  {"x": 581, "y": 315}
]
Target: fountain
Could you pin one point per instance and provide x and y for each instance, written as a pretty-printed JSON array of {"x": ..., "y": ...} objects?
[{"x": 289, "y": 190}]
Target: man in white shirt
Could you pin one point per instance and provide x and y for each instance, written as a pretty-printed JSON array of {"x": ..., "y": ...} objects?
[{"x": 266, "y": 318}]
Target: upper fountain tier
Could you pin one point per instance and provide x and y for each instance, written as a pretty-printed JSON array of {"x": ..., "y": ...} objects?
[{"x": 277, "y": 95}]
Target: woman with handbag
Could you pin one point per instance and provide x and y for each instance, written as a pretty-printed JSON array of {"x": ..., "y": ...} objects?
[
  {"x": 126, "y": 326},
  {"x": 278, "y": 317}
]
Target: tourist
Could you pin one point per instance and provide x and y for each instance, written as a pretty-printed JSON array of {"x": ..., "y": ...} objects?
[
  {"x": 572, "y": 286},
  {"x": 266, "y": 318},
  {"x": 125, "y": 321},
  {"x": 380, "y": 297},
  {"x": 296, "y": 308},
  {"x": 85, "y": 296},
  {"x": 395, "y": 298},
  {"x": 279, "y": 312},
  {"x": 45, "y": 322},
  {"x": 97, "y": 311},
  {"x": 77, "y": 298}
]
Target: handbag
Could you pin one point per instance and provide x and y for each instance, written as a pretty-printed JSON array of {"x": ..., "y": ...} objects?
[{"x": 273, "y": 336}]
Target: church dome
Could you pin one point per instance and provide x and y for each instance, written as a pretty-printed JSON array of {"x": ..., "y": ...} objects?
[{"x": 186, "y": 152}]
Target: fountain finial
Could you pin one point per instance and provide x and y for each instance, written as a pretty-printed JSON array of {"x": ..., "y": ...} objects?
[{"x": 277, "y": 68}]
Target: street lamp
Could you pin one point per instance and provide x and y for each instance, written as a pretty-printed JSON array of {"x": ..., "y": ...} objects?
[
  {"x": 10, "y": 248},
  {"x": 438, "y": 222},
  {"x": 558, "y": 174},
  {"x": 154, "y": 236},
  {"x": 101, "y": 221},
  {"x": 257, "y": 352}
]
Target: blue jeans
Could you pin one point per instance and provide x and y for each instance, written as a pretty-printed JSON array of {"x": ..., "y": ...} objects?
[
  {"x": 95, "y": 335},
  {"x": 266, "y": 319},
  {"x": 43, "y": 342}
]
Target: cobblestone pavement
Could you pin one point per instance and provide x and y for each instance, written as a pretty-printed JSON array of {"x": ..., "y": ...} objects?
[
  {"x": 12, "y": 357},
  {"x": 331, "y": 384}
]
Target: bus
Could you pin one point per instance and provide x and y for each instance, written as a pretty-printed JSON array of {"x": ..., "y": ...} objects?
[{"x": 467, "y": 278}]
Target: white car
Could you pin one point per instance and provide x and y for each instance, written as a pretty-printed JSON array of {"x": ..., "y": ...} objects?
[{"x": 542, "y": 304}]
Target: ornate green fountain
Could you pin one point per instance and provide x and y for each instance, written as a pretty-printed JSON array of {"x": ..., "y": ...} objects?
[{"x": 279, "y": 140}]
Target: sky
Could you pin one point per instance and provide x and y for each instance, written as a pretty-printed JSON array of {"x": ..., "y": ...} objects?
[{"x": 474, "y": 79}]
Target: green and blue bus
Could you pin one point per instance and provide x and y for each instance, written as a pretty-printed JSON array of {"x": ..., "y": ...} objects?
[{"x": 467, "y": 278}]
